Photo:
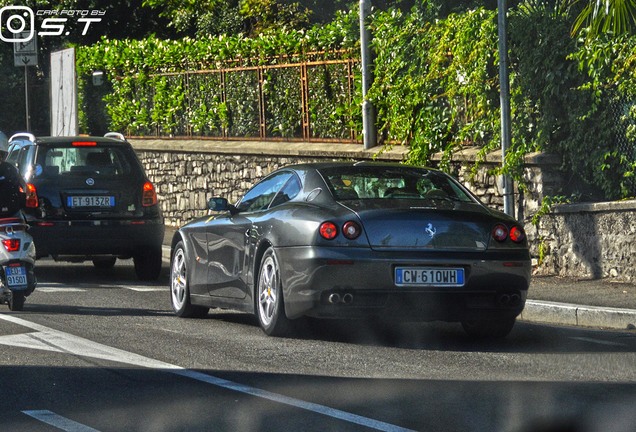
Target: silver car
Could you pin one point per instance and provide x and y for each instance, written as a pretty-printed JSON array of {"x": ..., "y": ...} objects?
[{"x": 350, "y": 240}]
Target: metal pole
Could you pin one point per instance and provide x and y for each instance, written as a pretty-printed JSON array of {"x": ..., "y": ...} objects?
[
  {"x": 368, "y": 115},
  {"x": 508, "y": 187},
  {"x": 26, "y": 98}
]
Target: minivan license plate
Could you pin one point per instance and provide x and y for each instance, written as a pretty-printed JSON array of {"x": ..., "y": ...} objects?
[
  {"x": 90, "y": 201},
  {"x": 429, "y": 276},
  {"x": 16, "y": 276}
]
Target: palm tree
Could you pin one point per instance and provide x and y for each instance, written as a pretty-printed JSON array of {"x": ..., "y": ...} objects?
[{"x": 606, "y": 16}]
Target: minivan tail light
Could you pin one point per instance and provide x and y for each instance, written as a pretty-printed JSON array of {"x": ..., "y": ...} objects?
[
  {"x": 84, "y": 143},
  {"x": 31, "y": 196},
  {"x": 149, "y": 195}
]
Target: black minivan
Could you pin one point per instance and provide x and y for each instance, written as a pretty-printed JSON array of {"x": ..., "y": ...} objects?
[{"x": 88, "y": 198}]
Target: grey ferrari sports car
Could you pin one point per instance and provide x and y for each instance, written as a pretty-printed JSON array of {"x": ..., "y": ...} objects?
[{"x": 353, "y": 240}]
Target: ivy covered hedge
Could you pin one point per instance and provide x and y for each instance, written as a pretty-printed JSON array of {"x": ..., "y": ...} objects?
[
  {"x": 436, "y": 88},
  {"x": 211, "y": 86}
]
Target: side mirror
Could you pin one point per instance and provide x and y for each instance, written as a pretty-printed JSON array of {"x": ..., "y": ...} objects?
[{"x": 218, "y": 204}]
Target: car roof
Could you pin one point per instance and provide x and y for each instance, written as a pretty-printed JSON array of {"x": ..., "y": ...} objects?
[
  {"x": 337, "y": 164},
  {"x": 67, "y": 139}
]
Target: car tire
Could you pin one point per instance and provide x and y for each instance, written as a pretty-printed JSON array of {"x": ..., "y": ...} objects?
[
  {"x": 16, "y": 301},
  {"x": 180, "y": 286},
  {"x": 104, "y": 263},
  {"x": 270, "y": 307},
  {"x": 148, "y": 264},
  {"x": 489, "y": 328}
]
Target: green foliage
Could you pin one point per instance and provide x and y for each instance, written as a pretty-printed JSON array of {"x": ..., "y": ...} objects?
[
  {"x": 547, "y": 204},
  {"x": 598, "y": 17},
  {"x": 210, "y": 85},
  {"x": 436, "y": 87}
]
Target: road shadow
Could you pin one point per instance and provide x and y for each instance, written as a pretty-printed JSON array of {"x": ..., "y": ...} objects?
[
  {"x": 51, "y": 272},
  {"x": 526, "y": 337}
]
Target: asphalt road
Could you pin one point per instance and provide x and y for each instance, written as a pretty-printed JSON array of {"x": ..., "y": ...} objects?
[{"x": 99, "y": 351}]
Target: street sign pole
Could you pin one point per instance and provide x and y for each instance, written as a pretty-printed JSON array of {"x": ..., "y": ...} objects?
[
  {"x": 368, "y": 113},
  {"x": 504, "y": 83},
  {"x": 25, "y": 54},
  {"x": 26, "y": 98}
]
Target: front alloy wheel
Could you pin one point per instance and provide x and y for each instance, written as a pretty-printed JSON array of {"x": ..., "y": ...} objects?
[
  {"x": 269, "y": 301},
  {"x": 179, "y": 288}
]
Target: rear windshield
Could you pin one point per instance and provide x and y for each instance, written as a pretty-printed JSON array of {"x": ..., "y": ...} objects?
[
  {"x": 369, "y": 182},
  {"x": 69, "y": 160}
]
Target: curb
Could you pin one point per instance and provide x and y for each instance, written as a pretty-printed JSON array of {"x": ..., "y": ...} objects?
[{"x": 578, "y": 315}]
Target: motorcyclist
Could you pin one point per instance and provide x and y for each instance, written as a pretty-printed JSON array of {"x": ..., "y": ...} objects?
[{"x": 12, "y": 185}]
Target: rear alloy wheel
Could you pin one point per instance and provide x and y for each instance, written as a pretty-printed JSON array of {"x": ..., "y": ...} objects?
[
  {"x": 16, "y": 301},
  {"x": 489, "y": 329},
  {"x": 180, "y": 289},
  {"x": 148, "y": 264},
  {"x": 104, "y": 263},
  {"x": 269, "y": 297}
]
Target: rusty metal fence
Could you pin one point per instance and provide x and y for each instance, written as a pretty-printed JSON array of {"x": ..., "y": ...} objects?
[{"x": 311, "y": 100}]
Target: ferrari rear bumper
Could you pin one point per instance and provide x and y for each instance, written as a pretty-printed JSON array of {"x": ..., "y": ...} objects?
[{"x": 356, "y": 283}]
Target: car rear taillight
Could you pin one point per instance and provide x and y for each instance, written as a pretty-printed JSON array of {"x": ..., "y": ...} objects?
[
  {"x": 328, "y": 230},
  {"x": 11, "y": 245},
  {"x": 149, "y": 195},
  {"x": 84, "y": 144},
  {"x": 516, "y": 234},
  {"x": 31, "y": 196},
  {"x": 351, "y": 230},
  {"x": 500, "y": 232}
]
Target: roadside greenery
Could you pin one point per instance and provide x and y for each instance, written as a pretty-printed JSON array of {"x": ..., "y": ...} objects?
[{"x": 436, "y": 87}]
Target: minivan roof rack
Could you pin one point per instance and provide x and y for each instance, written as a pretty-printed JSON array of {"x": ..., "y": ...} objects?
[
  {"x": 115, "y": 135},
  {"x": 29, "y": 136}
]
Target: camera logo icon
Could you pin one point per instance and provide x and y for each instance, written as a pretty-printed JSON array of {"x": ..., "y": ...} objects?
[{"x": 19, "y": 23}]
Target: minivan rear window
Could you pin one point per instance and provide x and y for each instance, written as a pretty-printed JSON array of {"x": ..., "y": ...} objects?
[{"x": 68, "y": 160}]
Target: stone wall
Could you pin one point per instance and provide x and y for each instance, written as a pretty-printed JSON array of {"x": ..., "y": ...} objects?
[{"x": 594, "y": 240}]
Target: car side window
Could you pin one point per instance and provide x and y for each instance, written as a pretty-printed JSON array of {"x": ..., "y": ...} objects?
[
  {"x": 261, "y": 195},
  {"x": 288, "y": 192},
  {"x": 12, "y": 158},
  {"x": 24, "y": 160}
]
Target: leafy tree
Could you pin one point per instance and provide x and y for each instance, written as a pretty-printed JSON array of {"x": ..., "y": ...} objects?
[
  {"x": 217, "y": 17},
  {"x": 605, "y": 16}
]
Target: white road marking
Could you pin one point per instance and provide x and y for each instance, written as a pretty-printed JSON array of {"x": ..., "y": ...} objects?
[
  {"x": 142, "y": 288},
  {"x": 598, "y": 341},
  {"x": 60, "y": 289},
  {"x": 63, "y": 342},
  {"x": 58, "y": 421}
]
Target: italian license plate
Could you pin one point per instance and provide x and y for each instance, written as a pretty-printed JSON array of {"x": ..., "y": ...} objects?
[
  {"x": 90, "y": 201},
  {"x": 429, "y": 276},
  {"x": 16, "y": 276}
]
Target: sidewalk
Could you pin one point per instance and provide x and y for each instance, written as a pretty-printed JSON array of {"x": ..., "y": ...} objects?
[{"x": 598, "y": 303}]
